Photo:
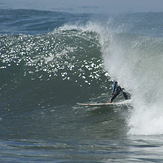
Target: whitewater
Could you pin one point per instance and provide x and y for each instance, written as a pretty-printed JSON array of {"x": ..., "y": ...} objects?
[
  {"x": 50, "y": 61},
  {"x": 136, "y": 62}
]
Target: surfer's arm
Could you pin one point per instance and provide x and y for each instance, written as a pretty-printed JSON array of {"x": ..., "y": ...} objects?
[{"x": 114, "y": 87}]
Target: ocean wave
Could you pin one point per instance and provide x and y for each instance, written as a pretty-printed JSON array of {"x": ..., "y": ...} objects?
[{"x": 75, "y": 62}]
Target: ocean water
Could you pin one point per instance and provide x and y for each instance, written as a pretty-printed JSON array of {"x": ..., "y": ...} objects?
[{"x": 51, "y": 60}]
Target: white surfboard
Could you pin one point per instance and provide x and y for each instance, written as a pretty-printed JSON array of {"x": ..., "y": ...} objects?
[{"x": 126, "y": 102}]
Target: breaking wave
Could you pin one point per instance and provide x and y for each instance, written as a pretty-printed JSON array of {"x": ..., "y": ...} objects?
[{"x": 75, "y": 63}]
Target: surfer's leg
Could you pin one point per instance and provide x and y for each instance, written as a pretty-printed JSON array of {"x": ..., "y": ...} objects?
[
  {"x": 125, "y": 95},
  {"x": 113, "y": 97}
]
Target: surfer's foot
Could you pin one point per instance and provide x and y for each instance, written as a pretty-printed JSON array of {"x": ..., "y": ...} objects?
[{"x": 110, "y": 101}]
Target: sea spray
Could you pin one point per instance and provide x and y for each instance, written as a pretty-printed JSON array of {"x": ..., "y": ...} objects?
[{"x": 136, "y": 63}]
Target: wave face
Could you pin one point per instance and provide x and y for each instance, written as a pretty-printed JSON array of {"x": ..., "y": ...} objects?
[{"x": 61, "y": 67}]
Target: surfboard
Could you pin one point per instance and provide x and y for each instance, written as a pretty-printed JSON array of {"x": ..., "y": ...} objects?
[
  {"x": 126, "y": 102},
  {"x": 95, "y": 104}
]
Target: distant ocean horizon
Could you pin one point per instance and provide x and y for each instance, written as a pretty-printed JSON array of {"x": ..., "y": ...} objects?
[
  {"x": 55, "y": 6},
  {"x": 51, "y": 60}
]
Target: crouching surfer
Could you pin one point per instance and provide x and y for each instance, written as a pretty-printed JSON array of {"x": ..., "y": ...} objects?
[{"x": 116, "y": 90}]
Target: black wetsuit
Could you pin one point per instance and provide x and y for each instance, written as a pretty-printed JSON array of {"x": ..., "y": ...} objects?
[{"x": 116, "y": 90}]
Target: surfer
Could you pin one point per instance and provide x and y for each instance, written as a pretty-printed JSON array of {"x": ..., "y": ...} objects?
[{"x": 116, "y": 90}]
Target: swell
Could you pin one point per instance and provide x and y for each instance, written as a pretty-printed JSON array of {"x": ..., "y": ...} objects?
[{"x": 23, "y": 21}]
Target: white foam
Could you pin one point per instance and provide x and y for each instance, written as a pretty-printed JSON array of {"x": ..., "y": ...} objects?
[{"x": 139, "y": 71}]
